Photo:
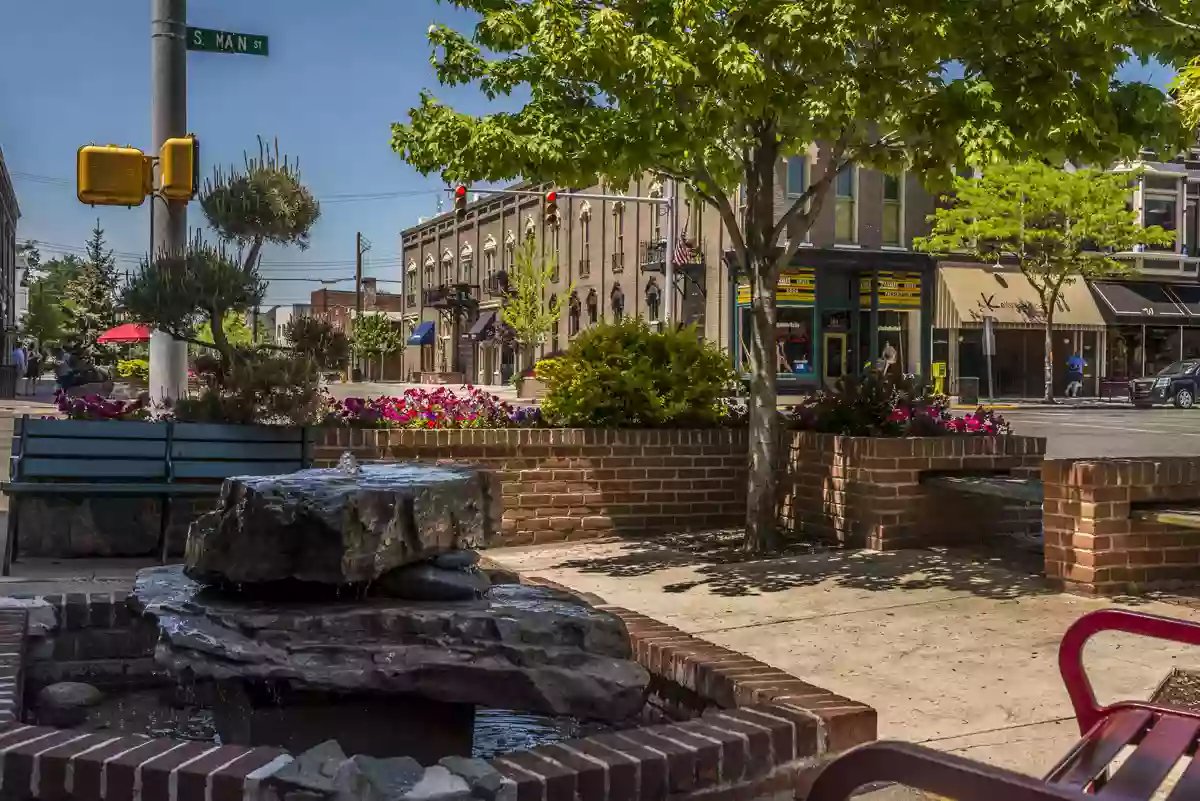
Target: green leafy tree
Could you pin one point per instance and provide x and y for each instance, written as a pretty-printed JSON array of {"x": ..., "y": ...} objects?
[
  {"x": 264, "y": 202},
  {"x": 373, "y": 336},
  {"x": 1058, "y": 226},
  {"x": 527, "y": 312},
  {"x": 91, "y": 301},
  {"x": 712, "y": 93},
  {"x": 46, "y": 317},
  {"x": 317, "y": 339},
  {"x": 237, "y": 331}
]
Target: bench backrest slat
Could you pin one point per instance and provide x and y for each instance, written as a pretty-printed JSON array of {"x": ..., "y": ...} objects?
[
  {"x": 43, "y": 467},
  {"x": 216, "y": 432},
  {"x": 238, "y": 451},
  {"x": 89, "y": 429},
  {"x": 227, "y": 469},
  {"x": 74, "y": 447}
]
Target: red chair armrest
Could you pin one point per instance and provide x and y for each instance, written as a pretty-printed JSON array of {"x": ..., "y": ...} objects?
[
  {"x": 1070, "y": 652},
  {"x": 942, "y": 774}
]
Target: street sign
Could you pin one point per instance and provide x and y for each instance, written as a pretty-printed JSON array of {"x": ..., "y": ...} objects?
[{"x": 210, "y": 41}]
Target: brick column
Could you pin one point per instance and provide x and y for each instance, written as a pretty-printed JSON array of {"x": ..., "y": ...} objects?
[{"x": 1094, "y": 547}]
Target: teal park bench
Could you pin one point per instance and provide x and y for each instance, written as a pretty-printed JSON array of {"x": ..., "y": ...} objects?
[{"x": 136, "y": 459}]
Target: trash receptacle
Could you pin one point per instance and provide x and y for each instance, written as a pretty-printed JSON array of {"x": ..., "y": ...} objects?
[{"x": 968, "y": 391}]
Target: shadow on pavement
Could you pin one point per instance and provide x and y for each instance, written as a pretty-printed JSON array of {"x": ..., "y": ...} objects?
[{"x": 721, "y": 567}]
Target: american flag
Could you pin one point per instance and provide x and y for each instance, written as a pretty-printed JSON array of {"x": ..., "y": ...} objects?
[{"x": 684, "y": 252}]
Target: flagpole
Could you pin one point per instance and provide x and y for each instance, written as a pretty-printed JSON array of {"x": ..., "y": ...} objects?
[{"x": 669, "y": 255}]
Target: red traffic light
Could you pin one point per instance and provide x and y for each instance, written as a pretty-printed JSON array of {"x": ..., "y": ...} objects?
[
  {"x": 460, "y": 191},
  {"x": 551, "y": 197}
]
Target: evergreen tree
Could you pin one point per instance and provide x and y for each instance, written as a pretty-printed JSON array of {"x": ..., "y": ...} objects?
[{"x": 91, "y": 302}]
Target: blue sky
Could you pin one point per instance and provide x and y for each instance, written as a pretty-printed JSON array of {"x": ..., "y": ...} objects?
[{"x": 338, "y": 74}]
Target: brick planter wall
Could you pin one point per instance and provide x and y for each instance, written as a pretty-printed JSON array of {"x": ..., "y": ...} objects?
[
  {"x": 1093, "y": 546},
  {"x": 561, "y": 484},
  {"x": 862, "y": 491},
  {"x": 744, "y": 731}
]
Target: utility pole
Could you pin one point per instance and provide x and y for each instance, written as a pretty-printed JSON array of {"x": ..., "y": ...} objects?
[
  {"x": 361, "y": 246},
  {"x": 669, "y": 253},
  {"x": 168, "y": 118}
]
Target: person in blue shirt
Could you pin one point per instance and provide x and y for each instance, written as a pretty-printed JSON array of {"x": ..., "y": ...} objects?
[{"x": 1075, "y": 365}]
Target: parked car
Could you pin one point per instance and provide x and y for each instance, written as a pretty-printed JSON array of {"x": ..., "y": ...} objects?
[{"x": 1175, "y": 383}]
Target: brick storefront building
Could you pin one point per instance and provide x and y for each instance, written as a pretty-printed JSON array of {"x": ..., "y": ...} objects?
[
  {"x": 10, "y": 212},
  {"x": 854, "y": 288},
  {"x": 337, "y": 307}
]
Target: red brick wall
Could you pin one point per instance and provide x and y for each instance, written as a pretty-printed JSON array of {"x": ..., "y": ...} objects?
[
  {"x": 863, "y": 491},
  {"x": 1094, "y": 546},
  {"x": 561, "y": 484}
]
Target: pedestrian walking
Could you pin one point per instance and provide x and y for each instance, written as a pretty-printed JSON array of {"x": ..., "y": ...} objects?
[
  {"x": 33, "y": 372},
  {"x": 20, "y": 360},
  {"x": 1075, "y": 367}
]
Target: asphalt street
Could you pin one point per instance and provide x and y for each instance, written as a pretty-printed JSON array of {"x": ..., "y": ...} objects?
[{"x": 1119, "y": 431}]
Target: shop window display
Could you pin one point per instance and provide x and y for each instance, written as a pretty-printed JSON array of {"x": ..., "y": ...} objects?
[
  {"x": 1125, "y": 352},
  {"x": 793, "y": 341}
]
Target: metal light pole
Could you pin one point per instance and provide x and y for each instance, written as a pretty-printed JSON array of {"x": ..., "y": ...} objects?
[
  {"x": 168, "y": 118},
  {"x": 669, "y": 254}
]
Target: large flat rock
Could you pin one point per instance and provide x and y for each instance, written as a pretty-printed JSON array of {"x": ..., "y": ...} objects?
[
  {"x": 526, "y": 648},
  {"x": 341, "y": 527}
]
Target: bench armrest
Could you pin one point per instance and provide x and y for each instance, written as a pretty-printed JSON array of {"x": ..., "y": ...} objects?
[
  {"x": 1070, "y": 652},
  {"x": 942, "y": 774}
]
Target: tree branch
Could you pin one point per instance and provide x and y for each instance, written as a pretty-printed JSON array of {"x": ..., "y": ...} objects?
[
  {"x": 721, "y": 201},
  {"x": 831, "y": 171}
]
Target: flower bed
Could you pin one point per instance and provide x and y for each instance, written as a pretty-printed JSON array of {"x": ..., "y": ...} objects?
[{"x": 431, "y": 409}]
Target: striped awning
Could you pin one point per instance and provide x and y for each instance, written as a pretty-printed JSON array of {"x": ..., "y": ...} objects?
[{"x": 966, "y": 293}]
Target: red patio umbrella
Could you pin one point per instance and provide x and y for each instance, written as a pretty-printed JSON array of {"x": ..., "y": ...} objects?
[{"x": 125, "y": 334}]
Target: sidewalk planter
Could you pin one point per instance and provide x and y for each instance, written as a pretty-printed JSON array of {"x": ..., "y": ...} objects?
[
  {"x": 1095, "y": 545},
  {"x": 531, "y": 388},
  {"x": 561, "y": 484},
  {"x": 867, "y": 491}
]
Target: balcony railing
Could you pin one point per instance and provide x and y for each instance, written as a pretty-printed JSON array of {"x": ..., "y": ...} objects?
[
  {"x": 495, "y": 284},
  {"x": 654, "y": 254},
  {"x": 618, "y": 263},
  {"x": 449, "y": 296}
]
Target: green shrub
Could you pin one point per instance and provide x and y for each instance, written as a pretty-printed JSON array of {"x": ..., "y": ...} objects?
[
  {"x": 134, "y": 369},
  {"x": 626, "y": 375}
]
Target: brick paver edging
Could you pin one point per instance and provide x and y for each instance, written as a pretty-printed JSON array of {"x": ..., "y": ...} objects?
[{"x": 760, "y": 737}]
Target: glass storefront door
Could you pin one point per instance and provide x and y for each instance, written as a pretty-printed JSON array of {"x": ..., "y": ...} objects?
[{"x": 834, "y": 364}]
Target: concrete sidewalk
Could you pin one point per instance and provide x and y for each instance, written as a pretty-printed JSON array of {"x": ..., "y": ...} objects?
[{"x": 955, "y": 652}]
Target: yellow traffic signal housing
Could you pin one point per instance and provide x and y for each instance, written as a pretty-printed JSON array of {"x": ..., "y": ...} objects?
[
  {"x": 179, "y": 166},
  {"x": 109, "y": 175}
]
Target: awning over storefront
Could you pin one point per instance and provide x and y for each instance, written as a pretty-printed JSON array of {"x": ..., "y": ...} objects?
[
  {"x": 966, "y": 293},
  {"x": 484, "y": 328},
  {"x": 1140, "y": 299},
  {"x": 422, "y": 335}
]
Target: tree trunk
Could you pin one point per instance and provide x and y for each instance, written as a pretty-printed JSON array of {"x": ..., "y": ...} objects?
[
  {"x": 761, "y": 523},
  {"x": 1048, "y": 395},
  {"x": 216, "y": 325}
]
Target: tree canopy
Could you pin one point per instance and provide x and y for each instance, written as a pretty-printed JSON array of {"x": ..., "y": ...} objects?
[
  {"x": 1058, "y": 225},
  {"x": 713, "y": 93},
  {"x": 527, "y": 312},
  {"x": 373, "y": 335}
]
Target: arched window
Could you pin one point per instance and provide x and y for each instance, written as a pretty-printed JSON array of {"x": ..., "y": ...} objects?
[
  {"x": 430, "y": 264},
  {"x": 574, "y": 312},
  {"x": 653, "y": 300},
  {"x": 618, "y": 254},
  {"x": 447, "y": 267},
  {"x": 466, "y": 259}
]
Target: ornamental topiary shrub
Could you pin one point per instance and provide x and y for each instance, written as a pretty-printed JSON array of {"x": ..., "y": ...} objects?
[{"x": 626, "y": 375}]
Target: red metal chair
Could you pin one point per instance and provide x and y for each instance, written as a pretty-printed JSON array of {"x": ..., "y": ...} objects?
[{"x": 1159, "y": 737}]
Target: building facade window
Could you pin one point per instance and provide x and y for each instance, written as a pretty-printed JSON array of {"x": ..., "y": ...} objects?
[
  {"x": 618, "y": 256},
  {"x": 553, "y": 307},
  {"x": 846, "y": 207},
  {"x": 446, "y": 269},
  {"x": 893, "y": 210},
  {"x": 466, "y": 264},
  {"x": 585, "y": 241},
  {"x": 1160, "y": 206},
  {"x": 796, "y": 182},
  {"x": 430, "y": 263}
]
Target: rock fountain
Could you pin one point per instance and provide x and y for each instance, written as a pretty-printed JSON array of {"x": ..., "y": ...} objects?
[{"x": 346, "y": 604}]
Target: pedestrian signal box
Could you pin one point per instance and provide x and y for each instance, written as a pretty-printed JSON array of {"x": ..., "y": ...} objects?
[
  {"x": 110, "y": 175},
  {"x": 179, "y": 167}
]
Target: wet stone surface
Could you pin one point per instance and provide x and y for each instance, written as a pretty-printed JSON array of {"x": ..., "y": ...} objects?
[
  {"x": 341, "y": 527},
  {"x": 518, "y": 647}
]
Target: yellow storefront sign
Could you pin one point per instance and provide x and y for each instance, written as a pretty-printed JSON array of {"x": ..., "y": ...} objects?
[
  {"x": 797, "y": 286},
  {"x": 897, "y": 290}
]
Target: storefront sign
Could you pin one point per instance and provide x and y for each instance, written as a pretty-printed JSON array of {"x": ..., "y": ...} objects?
[
  {"x": 898, "y": 291},
  {"x": 797, "y": 287}
]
